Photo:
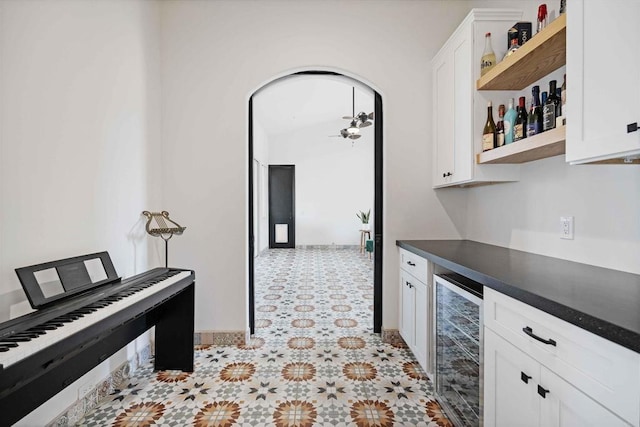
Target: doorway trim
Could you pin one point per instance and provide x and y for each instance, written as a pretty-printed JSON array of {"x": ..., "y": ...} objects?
[{"x": 378, "y": 199}]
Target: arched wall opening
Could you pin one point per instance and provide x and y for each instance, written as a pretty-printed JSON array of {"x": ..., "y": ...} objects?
[{"x": 377, "y": 211}]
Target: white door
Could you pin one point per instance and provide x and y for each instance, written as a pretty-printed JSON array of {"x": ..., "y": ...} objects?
[
  {"x": 510, "y": 384},
  {"x": 566, "y": 406},
  {"x": 407, "y": 317},
  {"x": 422, "y": 324},
  {"x": 603, "y": 79}
]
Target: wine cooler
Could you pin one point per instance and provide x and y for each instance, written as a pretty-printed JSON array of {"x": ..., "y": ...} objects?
[{"x": 458, "y": 373}]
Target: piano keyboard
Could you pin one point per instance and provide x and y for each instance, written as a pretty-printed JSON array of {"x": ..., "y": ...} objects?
[{"x": 20, "y": 345}]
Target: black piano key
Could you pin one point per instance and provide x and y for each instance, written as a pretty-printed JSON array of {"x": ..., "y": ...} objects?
[
  {"x": 47, "y": 327},
  {"x": 25, "y": 334},
  {"x": 3, "y": 349},
  {"x": 8, "y": 344},
  {"x": 13, "y": 339}
]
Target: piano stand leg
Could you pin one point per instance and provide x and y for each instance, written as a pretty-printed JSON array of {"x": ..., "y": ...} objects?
[{"x": 174, "y": 333}]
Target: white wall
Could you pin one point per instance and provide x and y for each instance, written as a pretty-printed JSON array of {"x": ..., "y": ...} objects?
[
  {"x": 79, "y": 133},
  {"x": 216, "y": 54},
  {"x": 526, "y": 215},
  {"x": 334, "y": 176},
  {"x": 334, "y": 180},
  {"x": 261, "y": 187}
]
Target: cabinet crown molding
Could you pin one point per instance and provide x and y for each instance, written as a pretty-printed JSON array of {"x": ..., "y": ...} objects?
[{"x": 482, "y": 14}]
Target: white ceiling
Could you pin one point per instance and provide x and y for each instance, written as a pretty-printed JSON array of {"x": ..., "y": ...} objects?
[{"x": 306, "y": 101}]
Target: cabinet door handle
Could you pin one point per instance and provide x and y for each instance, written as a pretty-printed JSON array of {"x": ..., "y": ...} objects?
[
  {"x": 632, "y": 127},
  {"x": 444, "y": 175},
  {"x": 542, "y": 391},
  {"x": 449, "y": 174},
  {"x": 411, "y": 263},
  {"x": 527, "y": 330},
  {"x": 409, "y": 285},
  {"x": 524, "y": 377}
]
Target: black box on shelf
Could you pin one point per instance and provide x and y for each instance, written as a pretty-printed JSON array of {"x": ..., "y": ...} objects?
[{"x": 523, "y": 30}]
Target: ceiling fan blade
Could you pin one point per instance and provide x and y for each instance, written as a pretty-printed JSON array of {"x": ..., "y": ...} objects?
[
  {"x": 355, "y": 136},
  {"x": 365, "y": 124},
  {"x": 348, "y": 117},
  {"x": 344, "y": 133}
]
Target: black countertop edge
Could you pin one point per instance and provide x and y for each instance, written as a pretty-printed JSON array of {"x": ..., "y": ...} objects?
[{"x": 610, "y": 331}]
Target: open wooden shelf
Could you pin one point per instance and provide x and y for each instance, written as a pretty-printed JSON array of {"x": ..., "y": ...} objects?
[
  {"x": 546, "y": 144},
  {"x": 542, "y": 54}
]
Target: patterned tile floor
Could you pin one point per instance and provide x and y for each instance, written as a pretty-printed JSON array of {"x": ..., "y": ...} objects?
[{"x": 313, "y": 361}]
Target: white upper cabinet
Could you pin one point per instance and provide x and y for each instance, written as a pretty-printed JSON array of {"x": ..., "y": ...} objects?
[
  {"x": 459, "y": 111},
  {"x": 603, "y": 81}
]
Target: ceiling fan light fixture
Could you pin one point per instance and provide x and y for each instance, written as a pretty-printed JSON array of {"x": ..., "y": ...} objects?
[{"x": 351, "y": 130}]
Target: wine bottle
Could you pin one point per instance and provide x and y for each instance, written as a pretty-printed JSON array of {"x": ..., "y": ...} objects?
[
  {"x": 488, "y": 60},
  {"x": 520, "y": 128},
  {"x": 489, "y": 131},
  {"x": 534, "y": 121},
  {"x": 551, "y": 108},
  {"x": 563, "y": 99},
  {"x": 500, "y": 127},
  {"x": 509, "y": 123}
]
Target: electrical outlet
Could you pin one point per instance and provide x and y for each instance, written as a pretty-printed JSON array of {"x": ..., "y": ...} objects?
[{"x": 566, "y": 227}]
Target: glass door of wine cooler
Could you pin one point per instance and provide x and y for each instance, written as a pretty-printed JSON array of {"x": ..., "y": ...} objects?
[{"x": 459, "y": 348}]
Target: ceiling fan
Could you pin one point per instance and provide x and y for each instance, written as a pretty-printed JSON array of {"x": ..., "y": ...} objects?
[{"x": 361, "y": 120}]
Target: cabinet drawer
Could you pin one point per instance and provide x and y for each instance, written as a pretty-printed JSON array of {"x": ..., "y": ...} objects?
[
  {"x": 414, "y": 264},
  {"x": 605, "y": 371}
]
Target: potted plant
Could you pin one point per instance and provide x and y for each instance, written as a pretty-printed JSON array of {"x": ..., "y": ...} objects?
[{"x": 364, "y": 217}]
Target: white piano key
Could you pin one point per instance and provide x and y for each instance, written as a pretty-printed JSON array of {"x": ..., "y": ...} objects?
[{"x": 25, "y": 349}]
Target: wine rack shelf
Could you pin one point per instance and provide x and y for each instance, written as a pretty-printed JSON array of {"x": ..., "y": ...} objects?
[
  {"x": 547, "y": 144},
  {"x": 542, "y": 54}
]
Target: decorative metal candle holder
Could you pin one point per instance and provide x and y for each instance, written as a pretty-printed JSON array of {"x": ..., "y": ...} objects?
[{"x": 164, "y": 228}]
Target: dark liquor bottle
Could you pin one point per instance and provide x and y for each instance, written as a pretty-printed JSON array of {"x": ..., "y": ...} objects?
[
  {"x": 534, "y": 121},
  {"x": 489, "y": 131},
  {"x": 513, "y": 42},
  {"x": 520, "y": 128},
  {"x": 500, "y": 127},
  {"x": 551, "y": 108}
]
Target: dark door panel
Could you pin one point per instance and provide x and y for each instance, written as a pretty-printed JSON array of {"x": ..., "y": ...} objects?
[{"x": 282, "y": 231}]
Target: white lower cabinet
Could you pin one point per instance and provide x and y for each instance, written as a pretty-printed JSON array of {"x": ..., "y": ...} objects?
[
  {"x": 414, "y": 317},
  {"x": 566, "y": 406},
  {"x": 510, "y": 378},
  {"x": 521, "y": 392},
  {"x": 541, "y": 371}
]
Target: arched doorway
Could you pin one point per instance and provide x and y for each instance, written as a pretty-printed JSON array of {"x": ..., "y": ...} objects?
[{"x": 377, "y": 208}]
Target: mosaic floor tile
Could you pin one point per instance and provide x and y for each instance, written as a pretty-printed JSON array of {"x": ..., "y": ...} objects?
[{"x": 314, "y": 360}]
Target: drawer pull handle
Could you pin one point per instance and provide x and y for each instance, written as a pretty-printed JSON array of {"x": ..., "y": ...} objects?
[
  {"x": 411, "y": 263},
  {"x": 527, "y": 330},
  {"x": 542, "y": 391},
  {"x": 409, "y": 285},
  {"x": 524, "y": 377}
]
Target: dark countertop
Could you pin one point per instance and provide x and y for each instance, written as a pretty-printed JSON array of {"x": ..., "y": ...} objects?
[{"x": 603, "y": 301}]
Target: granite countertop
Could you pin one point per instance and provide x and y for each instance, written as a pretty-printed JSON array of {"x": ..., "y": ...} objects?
[{"x": 603, "y": 301}]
